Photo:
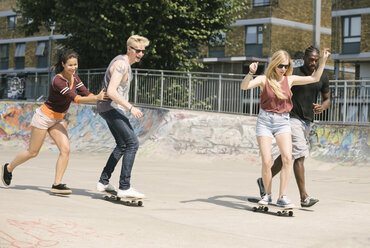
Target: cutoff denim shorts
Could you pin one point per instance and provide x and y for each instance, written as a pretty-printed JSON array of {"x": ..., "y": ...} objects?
[{"x": 270, "y": 124}]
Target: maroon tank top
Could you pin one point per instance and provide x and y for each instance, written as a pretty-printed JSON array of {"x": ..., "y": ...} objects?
[{"x": 271, "y": 103}]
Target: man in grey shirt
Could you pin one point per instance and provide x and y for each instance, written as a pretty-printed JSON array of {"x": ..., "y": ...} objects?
[{"x": 116, "y": 83}]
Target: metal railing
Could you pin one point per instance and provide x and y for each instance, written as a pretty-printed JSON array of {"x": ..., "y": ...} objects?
[{"x": 214, "y": 92}]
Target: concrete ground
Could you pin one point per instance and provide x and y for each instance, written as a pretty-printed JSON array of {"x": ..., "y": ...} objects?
[{"x": 191, "y": 203}]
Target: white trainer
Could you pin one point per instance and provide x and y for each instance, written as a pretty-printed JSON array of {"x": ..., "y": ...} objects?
[
  {"x": 101, "y": 187},
  {"x": 129, "y": 193}
]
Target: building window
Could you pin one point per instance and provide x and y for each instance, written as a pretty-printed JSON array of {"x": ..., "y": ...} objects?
[
  {"x": 351, "y": 34},
  {"x": 4, "y": 56},
  {"x": 253, "y": 40},
  {"x": 19, "y": 55},
  {"x": 12, "y": 22},
  {"x": 260, "y": 3},
  {"x": 217, "y": 46},
  {"x": 42, "y": 54}
]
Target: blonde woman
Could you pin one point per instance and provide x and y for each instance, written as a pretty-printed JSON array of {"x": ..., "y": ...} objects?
[{"x": 273, "y": 119}]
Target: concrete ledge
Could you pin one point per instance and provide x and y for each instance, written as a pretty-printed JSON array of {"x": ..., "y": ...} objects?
[{"x": 164, "y": 132}]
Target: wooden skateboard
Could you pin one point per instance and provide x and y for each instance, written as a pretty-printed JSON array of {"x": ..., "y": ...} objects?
[
  {"x": 280, "y": 211},
  {"x": 130, "y": 201}
]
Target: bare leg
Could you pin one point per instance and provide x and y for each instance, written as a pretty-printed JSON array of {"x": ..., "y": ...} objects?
[
  {"x": 299, "y": 176},
  {"x": 59, "y": 134},
  {"x": 265, "y": 149},
  {"x": 284, "y": 142},
  {"x": 36, "y": 141}
]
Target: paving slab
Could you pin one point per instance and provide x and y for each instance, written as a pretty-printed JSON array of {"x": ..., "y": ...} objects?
[{"x": 191, "y": 202}]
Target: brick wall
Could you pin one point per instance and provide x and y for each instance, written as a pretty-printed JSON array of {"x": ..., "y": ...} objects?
[
  {"x": 365, "y": 33},
  {"x": 235, "y": 40},
  {"x": 287, "y": 38},
  {"x": 350, "y": 4}
]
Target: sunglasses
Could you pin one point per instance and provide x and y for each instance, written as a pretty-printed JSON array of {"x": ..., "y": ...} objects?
[
  {"x": 281, "y": 66},
  {"x": 138, "y": 50}
]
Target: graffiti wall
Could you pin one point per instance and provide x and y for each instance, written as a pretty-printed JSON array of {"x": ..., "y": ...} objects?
[
  {"x": 341, "y": 144},
  {"x": 165, "y": 132},
  {"x": 16, "y": 87}
]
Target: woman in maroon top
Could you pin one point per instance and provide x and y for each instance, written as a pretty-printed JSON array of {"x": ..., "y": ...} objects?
[
  {"x": 49, "y": 119},
  {"x": 273, "y": 119}
]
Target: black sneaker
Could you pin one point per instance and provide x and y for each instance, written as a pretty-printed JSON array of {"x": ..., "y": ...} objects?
[
  {"x": 261, "y": 187},
  {"x": 309, "y": 201},
  {"x": 60, "y": 189},
  {"x": 6, "y": 176}
]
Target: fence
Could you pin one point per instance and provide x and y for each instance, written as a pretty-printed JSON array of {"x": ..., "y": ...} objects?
[{"x": 213, "y": 92}]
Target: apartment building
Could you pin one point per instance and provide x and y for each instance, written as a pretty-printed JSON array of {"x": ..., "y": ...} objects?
[
  {"x": 270, "y": 25},
  {"x": 351, "y": 37},
  {"x": 21, "y": 55}
]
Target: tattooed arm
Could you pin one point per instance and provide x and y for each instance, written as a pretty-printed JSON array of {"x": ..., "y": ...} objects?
[{"x": 119, "y": 73}]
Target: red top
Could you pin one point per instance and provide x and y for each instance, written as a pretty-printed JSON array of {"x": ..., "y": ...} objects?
[
  {"x": 61, "y": 94},
  {"x": 271, "y": 103}
]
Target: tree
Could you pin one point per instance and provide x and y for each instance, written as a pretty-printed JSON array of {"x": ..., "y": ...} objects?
[{"x": 98, "y": 30}]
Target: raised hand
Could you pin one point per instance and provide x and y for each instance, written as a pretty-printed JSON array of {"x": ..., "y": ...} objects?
[
  {"x": 325, "y": 53},
  {"x": 253, "y": 67}
]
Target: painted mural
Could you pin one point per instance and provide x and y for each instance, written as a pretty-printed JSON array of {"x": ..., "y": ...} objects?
[
  {"x": 176, "y": 132},
  {"x": 341, "y": 144}
]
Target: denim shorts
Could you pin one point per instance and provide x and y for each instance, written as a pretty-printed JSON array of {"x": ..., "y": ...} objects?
[{"x": 270, "y": 124}]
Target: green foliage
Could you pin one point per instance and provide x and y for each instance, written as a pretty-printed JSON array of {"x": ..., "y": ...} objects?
[{"x": 99, "y": 29}]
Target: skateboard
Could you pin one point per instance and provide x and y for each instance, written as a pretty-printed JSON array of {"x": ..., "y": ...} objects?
[
  {"x": 280, "y": 211},
  {"x": 130, "y": 201}
]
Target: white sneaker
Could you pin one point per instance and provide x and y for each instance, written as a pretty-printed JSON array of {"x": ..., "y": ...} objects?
[
  {"x": 129, "y": 193},
  {"x": 284, "y": 202},
  {"x": 101, "y": 187},
  {"x": 265, "y": 200}
]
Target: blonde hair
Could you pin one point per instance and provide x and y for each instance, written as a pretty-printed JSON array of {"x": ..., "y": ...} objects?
[
  {"x": 277, "y": 58},
  {"x": 137, "y": 39}
]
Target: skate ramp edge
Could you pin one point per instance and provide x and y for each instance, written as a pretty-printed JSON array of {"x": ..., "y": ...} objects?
[{"x": 172, "y": 133}]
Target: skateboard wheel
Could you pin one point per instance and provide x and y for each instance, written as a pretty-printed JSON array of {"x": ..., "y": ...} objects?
[
  {"x": 106, "y": 197},
  {"x": 254, "y": 209},
  {"x": 265, "y": 209},
  {"x": 139, "y": 203},
  {"x": 279, "y": 213},
  {"x": 118, "y": 198},
  {"x": 290, "y": 213}
]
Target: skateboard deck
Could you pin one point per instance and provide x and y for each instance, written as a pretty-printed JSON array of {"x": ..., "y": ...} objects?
[
  {"x": 280, "y": 211},
  {"x": 130, "y": 201}
]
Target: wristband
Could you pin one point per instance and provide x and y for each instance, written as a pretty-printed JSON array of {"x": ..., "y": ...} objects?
[
  {"x": 250, "y": 73},
  {"x": 131, "y": 107}
]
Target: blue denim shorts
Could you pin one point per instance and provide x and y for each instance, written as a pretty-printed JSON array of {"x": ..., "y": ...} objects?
[{"x": 270, "y": 124}]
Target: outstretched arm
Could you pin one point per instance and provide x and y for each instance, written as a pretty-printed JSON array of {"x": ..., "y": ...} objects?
[
  {"x": 315, "y": 77},
  {"x": 247, "y": 83},
  {"x": 92, "y": 98}
]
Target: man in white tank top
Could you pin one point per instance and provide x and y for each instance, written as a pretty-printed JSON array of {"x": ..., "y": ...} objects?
[{"x": 116, "y": 83}]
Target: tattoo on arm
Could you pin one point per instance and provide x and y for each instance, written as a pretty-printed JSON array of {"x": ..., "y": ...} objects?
[{"x": 121, "y": 69}]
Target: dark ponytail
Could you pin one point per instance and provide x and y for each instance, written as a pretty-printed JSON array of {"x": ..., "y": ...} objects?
[{"x": 63, "y": 57}]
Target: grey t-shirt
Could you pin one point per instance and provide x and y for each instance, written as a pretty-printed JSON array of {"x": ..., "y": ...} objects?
[{"x": 123, "y": 88}]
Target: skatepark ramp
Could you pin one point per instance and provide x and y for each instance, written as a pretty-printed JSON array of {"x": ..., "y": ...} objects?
[{"x": 168, "y": 132}]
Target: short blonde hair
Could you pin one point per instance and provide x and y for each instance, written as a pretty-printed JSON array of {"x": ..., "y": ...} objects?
[
  {"x": 137, "y": 39},
  {"x": 277, "y": 58}
]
